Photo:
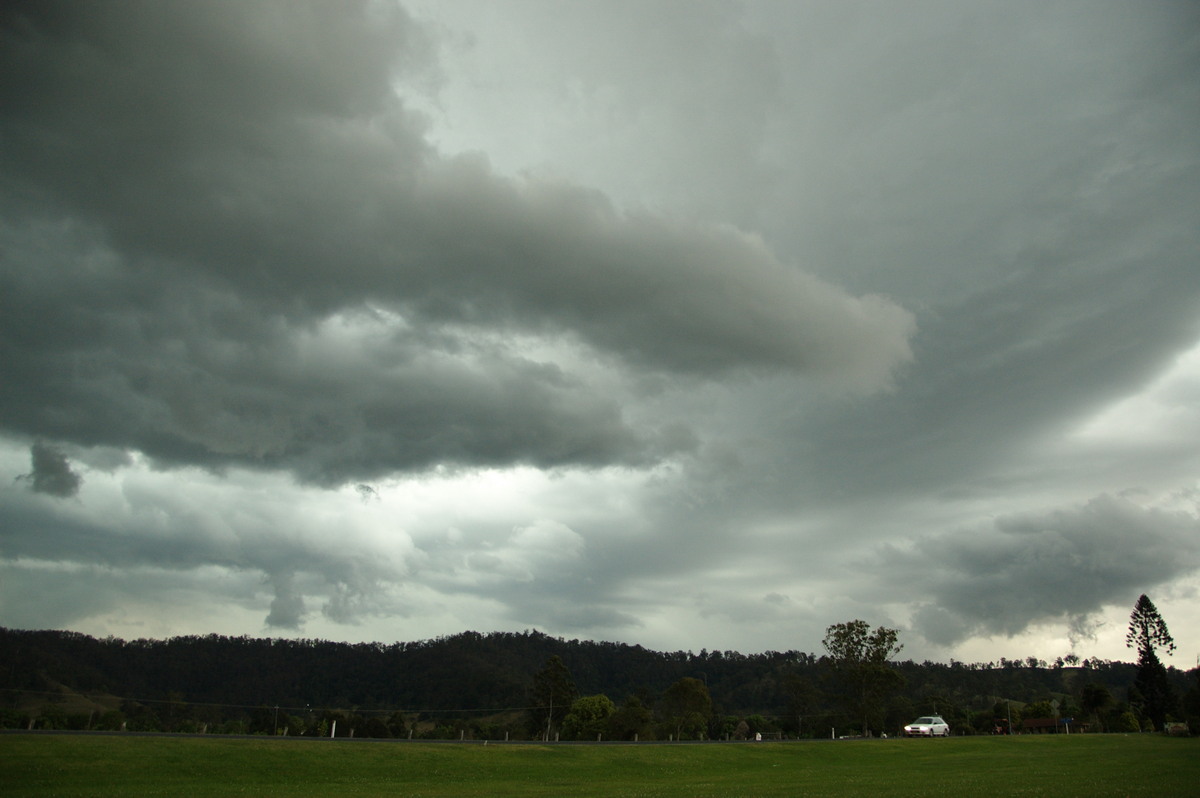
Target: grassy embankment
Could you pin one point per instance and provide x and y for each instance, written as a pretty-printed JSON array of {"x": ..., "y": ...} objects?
[{"x": 1057, "y": 766}]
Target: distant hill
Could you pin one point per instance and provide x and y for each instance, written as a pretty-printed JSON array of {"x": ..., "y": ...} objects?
[{"x": 470, "y": 676}]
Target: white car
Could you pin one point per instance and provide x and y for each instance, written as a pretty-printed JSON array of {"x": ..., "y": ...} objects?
[{"x": 928, "y": 726}]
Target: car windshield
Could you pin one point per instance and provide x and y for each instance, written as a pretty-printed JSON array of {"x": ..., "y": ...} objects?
[{"x": 922, "y": 720}]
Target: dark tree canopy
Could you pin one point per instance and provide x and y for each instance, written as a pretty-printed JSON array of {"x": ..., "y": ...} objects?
[
  {"x": 687, "y": 706},
  {"x": 631, "y": 721},
  {"x": 854, "y": 643},
  {"x": 553, "y": 691},
  {"x": 860, "y": 661},
  {"x": 588, "y": 718}
]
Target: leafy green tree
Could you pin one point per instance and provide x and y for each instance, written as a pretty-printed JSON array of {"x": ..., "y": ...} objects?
[
  {"x": 588, "y": 718},
  {"x": 759, "y": 724},
  {"x": 1038, "y": 709},
  {"x": 1127, "y": 722},
  {"x": 632, "y": 719},
  {"x": 552, "y": 692},
  {"x": 687, "y": 707},
  {"x": 860, "y": 662},
  {"x": 1148, "y": 631}
]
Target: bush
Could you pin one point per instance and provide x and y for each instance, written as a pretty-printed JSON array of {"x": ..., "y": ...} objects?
[
  {"x": 14, "y": 719},
  {"x": 110, "y": 721},
  {"x": 588, "y": 717},
  {"x": 1127, "y": 722}
]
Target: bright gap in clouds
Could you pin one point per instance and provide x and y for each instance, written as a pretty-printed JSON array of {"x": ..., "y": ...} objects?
[
  {"x": 454, "y": 546},
  {"x": 1166, "y": 413}
]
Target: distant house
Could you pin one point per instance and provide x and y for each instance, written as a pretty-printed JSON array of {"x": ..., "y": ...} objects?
[{"x": 1052, "y": 726}]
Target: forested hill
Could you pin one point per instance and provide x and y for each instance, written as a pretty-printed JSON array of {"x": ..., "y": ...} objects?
[
  {"x": 468, "y": 671},
  {"x": 478, "y": 674}
]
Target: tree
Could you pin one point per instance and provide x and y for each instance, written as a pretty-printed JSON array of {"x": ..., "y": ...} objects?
[
  {"x": 1147, "y": 630},
  {"x": 859, "y": 658},
  {"x": 552, "y": 692},
  {"x": 1038, "y": 709},
  {"x": 632, "y": 720},
  {"x": 1094, "y": 699},
  {"x": 1127, "y": 722},
  {"x": 588, "y": 717},
  {"x": 687, "y": 706},
  {"x": 803, "y": 699}
]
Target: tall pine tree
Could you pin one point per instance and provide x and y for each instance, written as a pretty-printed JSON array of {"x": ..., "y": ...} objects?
[{"x": 1151, "y": 689}]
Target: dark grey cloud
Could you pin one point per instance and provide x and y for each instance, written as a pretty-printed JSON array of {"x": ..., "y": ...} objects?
[
  {"x": 196, "y": 212},
  {"x": 1059, "y": 566},
  {"x": 52, "y": 473}
]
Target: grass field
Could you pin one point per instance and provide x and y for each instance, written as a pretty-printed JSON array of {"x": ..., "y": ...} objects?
[{"x": 1058, "y": 766}]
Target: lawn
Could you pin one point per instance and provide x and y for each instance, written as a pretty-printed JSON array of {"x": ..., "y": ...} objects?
[{"x": 1058, "y": 766}]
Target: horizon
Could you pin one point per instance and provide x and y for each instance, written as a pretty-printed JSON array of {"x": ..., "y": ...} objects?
[{"x": 703, "y": 652}]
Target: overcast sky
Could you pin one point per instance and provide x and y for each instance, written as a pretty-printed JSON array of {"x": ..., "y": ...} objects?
[{"x": 686, "y": 324}]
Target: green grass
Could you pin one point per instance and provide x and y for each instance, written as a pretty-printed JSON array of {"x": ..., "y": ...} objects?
[{"x": 1058, "y": 766}]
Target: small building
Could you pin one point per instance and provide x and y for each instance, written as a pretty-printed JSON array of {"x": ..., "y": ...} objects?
[{"x": 1052, "y": 726}]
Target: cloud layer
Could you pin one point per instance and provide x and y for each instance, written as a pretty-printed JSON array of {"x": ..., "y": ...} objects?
[
  {"x": 267, "y": 264},
  {"x": 692, "y": 324},
  {"x": 1039, "y": 567}
]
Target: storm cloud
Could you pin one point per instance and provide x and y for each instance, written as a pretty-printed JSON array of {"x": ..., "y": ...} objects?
[
  {"x": 52, "y": 473},
  {"x": 267, "y": 265},
  {"x": 1040, "y": 567},
  {"x": 698, "y": 324}
]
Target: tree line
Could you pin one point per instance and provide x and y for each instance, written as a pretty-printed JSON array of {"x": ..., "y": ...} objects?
[{"x": 530, "y": 685}]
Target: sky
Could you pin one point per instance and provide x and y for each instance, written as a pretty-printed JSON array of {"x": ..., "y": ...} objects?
[{"x": 694, "y": 325}]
